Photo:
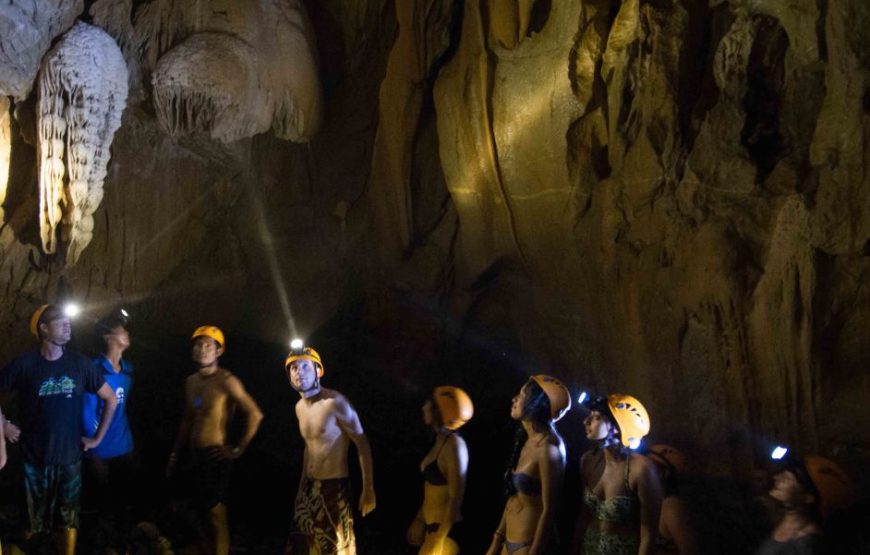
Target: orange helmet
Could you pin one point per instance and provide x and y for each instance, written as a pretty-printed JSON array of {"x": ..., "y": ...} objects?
[
  {"x": 832, "y": 484},
  {"x": 630, "y": 416},
  {"x": 668, "y": 456},
  {"x": 34, "y": 320},
  {"x": 557, "y": 393},
  {"x": 306, "y": 354},
  {"x": 454, "y": 405},
  {"x": 210, "y": 331}
]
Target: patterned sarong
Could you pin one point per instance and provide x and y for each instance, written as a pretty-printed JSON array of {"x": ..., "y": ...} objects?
[{"x": 323, "y": 519}]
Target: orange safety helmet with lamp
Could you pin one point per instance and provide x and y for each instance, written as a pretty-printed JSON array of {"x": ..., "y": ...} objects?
[
  {"x": 668, "y": 456},
  {"x": 556, "y": 392},
  {"x": 305, "y": 354},
  {"x": 454, "y": 406},
  {"x": 631, "y": 417}
]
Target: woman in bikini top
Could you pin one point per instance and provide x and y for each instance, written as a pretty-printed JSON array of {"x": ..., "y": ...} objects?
[
  {"x": 622, "y": 496},
  {"x": 536, "y": 469},
  {"x": 444, "y": 470}
]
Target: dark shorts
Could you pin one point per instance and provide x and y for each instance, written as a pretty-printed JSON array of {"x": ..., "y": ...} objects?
[
  {"x": 53, "y": 493},
  {"x": 207, "y": 476},
  {"x": 323, "y": 519}
]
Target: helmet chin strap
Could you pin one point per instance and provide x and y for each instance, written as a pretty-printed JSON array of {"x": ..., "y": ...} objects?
[{"x": 311, "y": 391}]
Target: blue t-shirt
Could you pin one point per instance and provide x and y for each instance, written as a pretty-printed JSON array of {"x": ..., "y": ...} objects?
[
  {"x": 50, "y": 395},
  {"x": 118, "y": 439}
]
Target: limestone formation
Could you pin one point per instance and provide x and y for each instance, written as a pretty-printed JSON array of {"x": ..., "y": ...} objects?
[
  {"x": 27, "y": 30},
  {"x": 666, "y": 198},
  {"x": 229, "y": 70},
  {"x": 82, "y": 93}
]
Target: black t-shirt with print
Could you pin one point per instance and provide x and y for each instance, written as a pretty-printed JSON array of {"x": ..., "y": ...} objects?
[{"x": 50, "y": 396}]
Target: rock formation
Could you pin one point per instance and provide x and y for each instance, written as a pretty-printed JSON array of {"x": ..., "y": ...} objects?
[
  {"x": 667, "y": 198},
  {"x": 82, "y": 92}
]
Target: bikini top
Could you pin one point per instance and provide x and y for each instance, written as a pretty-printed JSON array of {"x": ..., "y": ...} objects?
[
  {"x": 431, "y": 473},
  {"x": 526, "y": 484},
  {"x": 619, "y": 508}
]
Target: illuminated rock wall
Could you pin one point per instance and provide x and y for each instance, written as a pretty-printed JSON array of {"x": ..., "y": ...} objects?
[{"x": 665, "y": 198}]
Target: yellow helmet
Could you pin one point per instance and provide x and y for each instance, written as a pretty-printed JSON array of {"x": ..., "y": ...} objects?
[
  {"x": 454, "y": 405},
  {"x": 668, "y": 456},
  {"x": 630, "y": 416},
  {"x": 210, "y": 331},
  {"x": 557, "y": 393},
  {"x": 832, "y": 484},
  {"x": 306, "y": 354},
  {"x": 34, "y": 320}
]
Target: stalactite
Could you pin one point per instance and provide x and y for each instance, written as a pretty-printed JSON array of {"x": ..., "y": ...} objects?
[
  {"x": 230, "y": 71},
  {"x": 82, "y": 93},
  {"x": 5, "y": 150}
]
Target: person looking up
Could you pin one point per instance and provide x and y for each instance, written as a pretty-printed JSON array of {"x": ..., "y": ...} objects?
[
  {"x": 536, "y": 469},
  {"x": 444, "y": 470},
  {"x": 323, "y": 509}
]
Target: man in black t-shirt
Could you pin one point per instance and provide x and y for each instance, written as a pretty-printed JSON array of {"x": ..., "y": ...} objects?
[{"x": 50, "y": 383}]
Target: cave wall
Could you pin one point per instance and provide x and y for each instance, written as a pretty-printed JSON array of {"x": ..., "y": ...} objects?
[{"x": 667, "y": 198}]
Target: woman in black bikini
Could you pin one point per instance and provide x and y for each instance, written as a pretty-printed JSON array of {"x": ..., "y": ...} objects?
[
  {"x": 622, "y": 494},
  {"x": 534, "y": 477},
  {"x": 444, "y": 469}
]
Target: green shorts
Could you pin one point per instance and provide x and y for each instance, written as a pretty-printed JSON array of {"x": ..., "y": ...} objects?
[{"x": 53, "y": 492}]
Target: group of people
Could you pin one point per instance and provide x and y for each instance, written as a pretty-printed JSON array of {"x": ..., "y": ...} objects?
[{"x": 70, "y": 405}]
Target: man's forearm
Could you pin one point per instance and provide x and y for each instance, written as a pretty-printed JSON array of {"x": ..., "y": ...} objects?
[
  {"x": 365, "y": 462},
  {"x": 106, "y": 418},
  {"x": 254, "y": 420}
]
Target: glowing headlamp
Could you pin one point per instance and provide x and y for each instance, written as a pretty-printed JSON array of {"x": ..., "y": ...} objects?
[
  {"x": 71, "y": 310},
  {"x": 124, "y": 313},
  {"x": 582, "y": 398},
  {"x": 297, "y": 346},
  {"x": 778, "y": 452},
  {"x": 634, "y": 443}
]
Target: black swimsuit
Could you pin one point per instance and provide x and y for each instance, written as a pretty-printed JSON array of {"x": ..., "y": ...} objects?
[{"x": 433, "y": 476}]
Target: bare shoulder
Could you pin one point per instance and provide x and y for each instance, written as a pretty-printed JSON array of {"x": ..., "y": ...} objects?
[
  {"x": 342, "y": 403},
  {"x": 642, "y": 469}
]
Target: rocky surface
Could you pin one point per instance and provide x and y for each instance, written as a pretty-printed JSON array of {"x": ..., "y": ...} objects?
[{"x": 667, "y": 198}]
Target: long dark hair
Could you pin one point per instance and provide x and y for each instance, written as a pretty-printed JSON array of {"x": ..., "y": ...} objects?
[{"x": 536, "y": 411}]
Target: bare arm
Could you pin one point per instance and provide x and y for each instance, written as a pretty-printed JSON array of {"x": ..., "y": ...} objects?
[
  {"x": 348, "y": 421},
  {"x": 2, "y": 443},
  {"x": 552, "y": 469},
  {"x": 107, "y": 395},
  {"x": 498, "y": 536},
  {"x": 237, "y": 392},
  {"x": 649, "y": 493},
  {"x": 455, "y": 455},
  {"x": 676, "y": 524},
  {"x": 584, "y": 518}
]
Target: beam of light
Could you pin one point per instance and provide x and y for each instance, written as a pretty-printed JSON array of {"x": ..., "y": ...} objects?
[
  {"x": 272, "y": 259},
  {"x": 71, "y": 310},
  {"x": 778, "y": 452}
]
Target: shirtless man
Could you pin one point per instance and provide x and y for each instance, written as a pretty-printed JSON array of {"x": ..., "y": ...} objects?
[
  {"x": 209, "y": 396},
  {"x": 323, "y": 514}
]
